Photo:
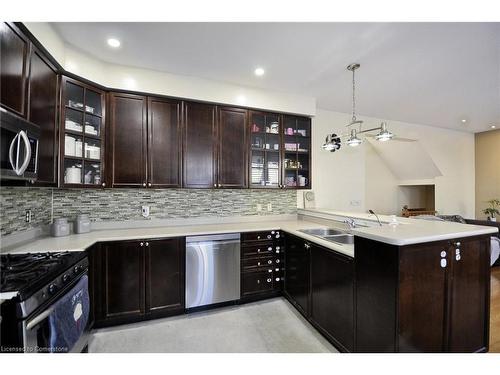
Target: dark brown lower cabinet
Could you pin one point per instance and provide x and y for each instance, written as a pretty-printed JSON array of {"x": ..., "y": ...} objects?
[
  {"x": 165, "y": 288},
  {"x": 297, "y": 273},
  {"x": 319, "y": 282},
  {"x": 137, "y": 280},
  {"x": 332, "y": 295},
  {"x": 430, "y": 297},
  {"x": 123, "y": 281}
]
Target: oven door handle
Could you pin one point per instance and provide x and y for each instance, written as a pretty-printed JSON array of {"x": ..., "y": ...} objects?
[{"x": 39, "y": 318}]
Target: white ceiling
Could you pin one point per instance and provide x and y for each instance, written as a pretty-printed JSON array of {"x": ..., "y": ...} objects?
[{"x": 426, "y": 73}]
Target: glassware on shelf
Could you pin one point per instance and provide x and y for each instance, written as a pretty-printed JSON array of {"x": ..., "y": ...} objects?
[
  {"x": 93, "y": 102},
  {"x": 92, "y": 174},
  {"x": 92, "y": 125},
  {"x": 92, "y": 149}
]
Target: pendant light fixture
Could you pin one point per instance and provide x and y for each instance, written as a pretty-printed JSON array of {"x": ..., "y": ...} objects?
[
  {"x": 333, "y": 142},
  {"x": 384, "y": 134},
  {"x": 353, "y": 140}
]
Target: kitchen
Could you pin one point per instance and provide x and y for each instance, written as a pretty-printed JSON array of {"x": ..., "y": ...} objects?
[{"x": 149, "y": 210}]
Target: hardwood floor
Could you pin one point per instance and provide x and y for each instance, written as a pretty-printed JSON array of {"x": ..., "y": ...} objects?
[{"x": 495, "y": 311}]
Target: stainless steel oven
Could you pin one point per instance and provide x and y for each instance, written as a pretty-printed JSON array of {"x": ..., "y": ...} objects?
[
  {"x": 51, "y": 314},
  {"x": 36, "y": 332},
  {"x": 19, "y": 147}
]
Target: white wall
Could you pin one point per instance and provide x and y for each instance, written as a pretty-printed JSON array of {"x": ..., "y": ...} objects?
[
  {"x": 359, "y": 174},
  {"x": 125, "y": 77}
]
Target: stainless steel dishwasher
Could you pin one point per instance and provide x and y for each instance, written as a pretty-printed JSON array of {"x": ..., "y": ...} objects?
[{"x": 212, "y": 269}]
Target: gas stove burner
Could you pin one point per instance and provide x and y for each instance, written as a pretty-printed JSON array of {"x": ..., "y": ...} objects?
[{"x": 24, "y": 273}]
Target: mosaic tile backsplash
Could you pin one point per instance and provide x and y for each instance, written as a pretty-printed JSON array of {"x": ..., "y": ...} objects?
[{"x": 125, "y": 204}]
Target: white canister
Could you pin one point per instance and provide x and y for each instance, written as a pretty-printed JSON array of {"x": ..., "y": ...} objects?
[
  {"x": 73, "y": 175},
  {"x": 69, "y": 145},
  {"x": 78, "y": 148}
]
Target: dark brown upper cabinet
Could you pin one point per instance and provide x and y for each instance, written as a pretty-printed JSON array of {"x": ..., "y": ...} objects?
[
  {"x": 43, "y": 111},
  {"x": 15, "y": 48},
  {"x": 232, "y": 165},
  {"x": 145, "y": 141},
  {"x": 164, "y": 143},
  {"x": 265, "y": 150},
  {"x": 296, "y": 133},
  {"x": 82, "y": 136},
  {"x": 128, "y": 140},
  {"x": 199, "y": 145}
]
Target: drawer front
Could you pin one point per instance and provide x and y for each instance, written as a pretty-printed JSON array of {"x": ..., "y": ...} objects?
[
  {"x": 267, "y": 249},
  {"x": 272, "y": 235},
  {"x": 259, "y": 250},
  {"x": 257, "y": 282},
  {"x": 254, "y": 263}
]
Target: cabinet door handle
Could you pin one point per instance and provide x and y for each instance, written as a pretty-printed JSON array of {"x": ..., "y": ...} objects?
[
  {"x": 141, "y": 244},
  {"x": 269, "y": 280},
  {"x": 143, "y": 184},
  {"x": 103, "y": 184},
  {"x": 215, "y": 185},
  {"x": 307, "y": 246},
  {"x": 269, "y": 236},
  {"x": 258, "y": 281},
  {"x": 149, "y": 184},
  {"x": 219, "y": 185},
  {"x": 147, "y": 243},
  {"x": 443, "y": 263}
]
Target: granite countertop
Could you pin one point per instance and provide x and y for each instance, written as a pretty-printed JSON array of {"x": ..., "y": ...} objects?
[
  {"x": 80, "y": 242},
  {"x": 408, "y": 232}
]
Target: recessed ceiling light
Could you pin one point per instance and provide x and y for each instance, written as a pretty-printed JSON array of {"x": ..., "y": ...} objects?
[
  {"x": 259, "y": 72},
  {"x": 493, "y": 126},
  {"x": 464, "y": 121},
  {"x": 115, "y": 43}
]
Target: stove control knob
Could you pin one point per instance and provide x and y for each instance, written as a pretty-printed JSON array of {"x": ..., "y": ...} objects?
[
  {"x": 52, "y": 288},
  {"x": 65, "y": 278}
]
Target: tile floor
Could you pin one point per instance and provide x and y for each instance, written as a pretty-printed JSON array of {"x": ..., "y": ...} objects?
[{"x": 271, "y": 326}]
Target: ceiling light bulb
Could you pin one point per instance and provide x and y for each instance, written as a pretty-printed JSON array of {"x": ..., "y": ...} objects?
[
  {"x": 493, "y": 126},
  {"x": 384, "y": 134},
  {"x": 464, "y": 121},
  {"x": 353, "y": 140},
  {"x": 115, "y": 43},
  {"x": 259, "y": 72}
]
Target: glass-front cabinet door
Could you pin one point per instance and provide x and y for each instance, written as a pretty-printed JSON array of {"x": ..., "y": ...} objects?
[
  {"x": 82, "y": 143},
  {"x": 296, "y": 152},
  {"x": 265, "y": 150}
]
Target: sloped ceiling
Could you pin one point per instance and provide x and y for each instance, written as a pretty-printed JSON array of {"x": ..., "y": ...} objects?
[{"x": 416, "y": 164}]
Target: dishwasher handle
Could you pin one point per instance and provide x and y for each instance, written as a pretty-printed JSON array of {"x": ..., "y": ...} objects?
[
  {"x": 234, "y": 237},
  {"x": 214, "y": 243}
]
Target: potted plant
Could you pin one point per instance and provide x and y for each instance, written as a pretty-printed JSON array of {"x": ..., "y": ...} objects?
[{"x": 492, "y": 211}]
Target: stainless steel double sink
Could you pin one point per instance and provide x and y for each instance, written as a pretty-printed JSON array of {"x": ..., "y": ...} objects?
[{"x": 332, "y": 235}]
